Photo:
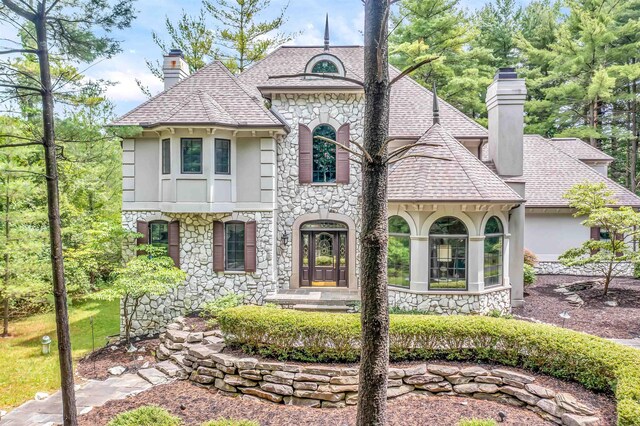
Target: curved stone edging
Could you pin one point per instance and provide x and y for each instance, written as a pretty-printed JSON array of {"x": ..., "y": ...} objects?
[{"x": 197, "y": 356}]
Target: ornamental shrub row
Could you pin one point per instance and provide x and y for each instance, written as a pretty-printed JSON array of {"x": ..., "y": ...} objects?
[{"x": 594, "y": 362}]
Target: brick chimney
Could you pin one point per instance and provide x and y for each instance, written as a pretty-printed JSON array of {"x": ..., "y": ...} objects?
[
  {"x": 505, "y": 104},
  {"x": 174, "y": 68}
]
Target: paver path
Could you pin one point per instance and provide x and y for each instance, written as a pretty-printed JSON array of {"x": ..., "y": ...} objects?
[
  {"x": 634, "y": 343},
  {"x": 92, "y": 394}
]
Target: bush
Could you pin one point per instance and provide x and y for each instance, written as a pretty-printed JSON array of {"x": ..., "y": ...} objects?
[
  {"x": 594, "y": 362},
  {"x": 529, "y": 274},
  {"x": 231, "y": 422},
  {"x": 530, "y": 258},
  {"x": 149, "y": 415},
  {"x": 477, "y": 422},
  {"x": 211, "y": 310}
]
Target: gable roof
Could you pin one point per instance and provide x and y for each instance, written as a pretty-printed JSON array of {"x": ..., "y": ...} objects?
[
  {"x": 411, "y": 104},
  {"x": 212, "y": 95},
  {"x": 461, "y": 176},
  {"x": 550, "y": 172},
  {"x": 577, "y": 148}
]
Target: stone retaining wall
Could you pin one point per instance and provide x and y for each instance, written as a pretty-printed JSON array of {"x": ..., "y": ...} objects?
[
  {"x": 451, "y": 304},
  {"x": 198, "y": 357},
  {"x": 556, "y": 268}
]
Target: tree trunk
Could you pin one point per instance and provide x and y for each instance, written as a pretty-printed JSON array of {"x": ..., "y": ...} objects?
[
  {"x": 634, "y": 138},
  {"x": 5, "y": 293},
  {"x": 372, "y": 394},
  {"x": 69, "y": 412}
]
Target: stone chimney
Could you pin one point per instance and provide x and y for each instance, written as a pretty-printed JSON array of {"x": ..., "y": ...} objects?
[
  {"x": 505, "y": 104},
  {"x": 174, "y": 68}
]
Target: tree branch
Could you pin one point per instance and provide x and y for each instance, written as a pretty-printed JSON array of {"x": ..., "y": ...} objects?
[
  {"x": 6, "y": 52},
  {"x": 412, "y": 68},
  {"x": 19, "y": 11},
  {"x": 407, "y": 147},
  {"x": 308, "y": 74},
  {"x": 16, "y": 145},
  {"x": 341, "y": 146},
  {"x": 19, "y": 86},
  {"x": 418, "y": 156}
]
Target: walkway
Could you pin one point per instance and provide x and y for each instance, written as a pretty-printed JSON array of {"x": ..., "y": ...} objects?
[
  {"x": 91, "y": 394},
  {"x": 634, "y": 343}
]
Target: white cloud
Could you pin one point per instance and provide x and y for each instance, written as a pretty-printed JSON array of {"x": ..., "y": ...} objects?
[
  {"x": 310, "y": 36},
  {"x": 125, "y": 89}
]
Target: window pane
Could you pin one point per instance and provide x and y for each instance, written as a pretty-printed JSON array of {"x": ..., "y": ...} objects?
[
  {"x": 325, "y": 67},
  {"x": 398, "y": 225},
  {"x": 234, "y": 238},
  {"x": 191, "y": 155},
  {"x": 399, "y": 260},
  {"x": 448, "y": 266},
  {"x": 494, "y": 226},
  {"x": 223, "y": 156},
  {"x": 324, "y": 154},
  {"x": 448, "y": 226},
  {"x": 493, "y": 261},
  {"x": 166, "y": 156},
  {"x": 159, "y": 234},
  {"x": 329, "y": 224}
]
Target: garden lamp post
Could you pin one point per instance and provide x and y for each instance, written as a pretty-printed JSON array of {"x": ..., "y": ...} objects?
[
  {"x": 565, "y": 316},
  {"x": 46, "y": 345}
]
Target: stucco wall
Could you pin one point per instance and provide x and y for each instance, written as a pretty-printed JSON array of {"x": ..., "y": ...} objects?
[
  {"x": 548, "y": 235},
  {"x": 146, "y": 169},
  {"x": 248, "y": 173},
  {"x": 295, "y": 199}
]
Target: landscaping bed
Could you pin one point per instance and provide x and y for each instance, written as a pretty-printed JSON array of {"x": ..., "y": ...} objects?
[
  {"x": 96, "y": 365},
  {"x": 616, "y": 315},
  {"x": 196, "y": 405}
]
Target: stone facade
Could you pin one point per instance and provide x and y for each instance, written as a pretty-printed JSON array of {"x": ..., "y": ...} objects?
[
  {"x": 498, "y": 300},
  {"x": 196, "y": 259},
  {"x": 198, "y": 357},
  {"x": 295, "y": 199},
  {"x": 624, "y": 269}
]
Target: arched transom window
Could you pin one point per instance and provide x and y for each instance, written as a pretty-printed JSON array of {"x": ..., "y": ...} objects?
[
  {"x": 399, "y": 252},
  {"x": 448, "y": 254},
  {"x": 325, "y": 67},
  {"x": 493, "y": 252},
  {"x": 324, "y": 154}
]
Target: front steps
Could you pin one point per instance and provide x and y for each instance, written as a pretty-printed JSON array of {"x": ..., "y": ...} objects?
[{"x": 317, "y": 299}]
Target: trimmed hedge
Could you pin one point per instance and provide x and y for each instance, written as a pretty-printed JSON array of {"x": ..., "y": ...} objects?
[
  {"x": 596, "y": 363},
  {"x": 148, "y": 415}
]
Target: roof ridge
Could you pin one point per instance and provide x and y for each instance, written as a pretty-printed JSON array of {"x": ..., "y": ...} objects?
[
  {"x": 585, "y": 143},
  {"x": 456, "y": 110},
  {"x": 216, "y": 104},
  {"x": 585, "y": 166},
  {"x": 478, "y": 161},
  {"x": 252, "y": 97},
  {"x": 164, "y": 91}
]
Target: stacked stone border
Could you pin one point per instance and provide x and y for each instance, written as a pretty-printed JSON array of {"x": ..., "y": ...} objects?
[
  {"x": 448, "y": 303},
  {"x": 197, "y": 356},
  {"x": 623, "y": 269}
]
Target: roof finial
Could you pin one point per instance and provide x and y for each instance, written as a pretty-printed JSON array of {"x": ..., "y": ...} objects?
[
  {"x": 436, "y": 107},
  {"x": 326, "y": 33}
]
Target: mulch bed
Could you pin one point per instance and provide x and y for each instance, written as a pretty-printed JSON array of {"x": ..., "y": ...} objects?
[
  {"x": 96, "y": 364},
  {"x": 542, "y": 303},
  {"x": 196, "y": 405}
]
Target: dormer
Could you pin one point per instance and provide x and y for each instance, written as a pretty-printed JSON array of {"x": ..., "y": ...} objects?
[{"x": 325, "y": 63}]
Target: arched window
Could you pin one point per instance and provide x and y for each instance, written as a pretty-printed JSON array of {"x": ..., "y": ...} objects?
[
  {"x": 325, "y": 67},
  {"x": 493, "y": 252},
  {"x": 448, "y": 254},
  {"x": 159, "y": 234},
  {"x": 399, "y": 252},
  {"x": 324, "y": 154}
]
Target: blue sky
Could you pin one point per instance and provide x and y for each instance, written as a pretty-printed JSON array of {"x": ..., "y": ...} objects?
[{"x": 306, "y": 18}]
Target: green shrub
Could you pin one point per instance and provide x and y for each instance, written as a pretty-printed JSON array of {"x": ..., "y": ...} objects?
[
  {"x": 231, "y": 422},
  {"x": 149, "y": 415},
  {"x": 529, "y": 274},
  {"x": 596, "y": 363},
  {"x": 212, "y": 309},
  {"x": 477, "y": 422}
]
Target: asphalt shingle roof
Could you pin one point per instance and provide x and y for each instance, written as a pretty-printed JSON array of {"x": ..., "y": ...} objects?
[
  {"x": 210, "y": 96},
  {"x": 579, "y": 149},
  {"x": 463, "y": 178},
  {"x": 549, "y": 172},
  {"x": 411, "y": 103}
]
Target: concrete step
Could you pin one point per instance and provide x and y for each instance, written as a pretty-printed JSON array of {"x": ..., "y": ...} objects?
[{"x": 320, "y": 308}]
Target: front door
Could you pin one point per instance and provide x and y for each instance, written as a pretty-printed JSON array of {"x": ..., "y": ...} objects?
[{"x": 324, "y": 258}]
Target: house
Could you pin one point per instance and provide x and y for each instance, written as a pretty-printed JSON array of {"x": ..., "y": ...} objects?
[{"x": 227, "y": 172}]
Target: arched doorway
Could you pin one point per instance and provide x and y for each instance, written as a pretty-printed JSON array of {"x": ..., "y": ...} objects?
[{"x": 323, "y": 254}]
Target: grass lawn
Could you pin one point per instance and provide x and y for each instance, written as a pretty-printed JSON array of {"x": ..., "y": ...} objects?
[{"x": 25, "y": 371}]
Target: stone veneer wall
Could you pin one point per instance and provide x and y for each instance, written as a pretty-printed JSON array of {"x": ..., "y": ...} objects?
[
  {"x": 196, "y": 259},
  {"x": 197, "y": 356},
  {"x": 624, "y": 269},
  {"x": 451, "y": 304},
  {"x": 295, "y": 199}
]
